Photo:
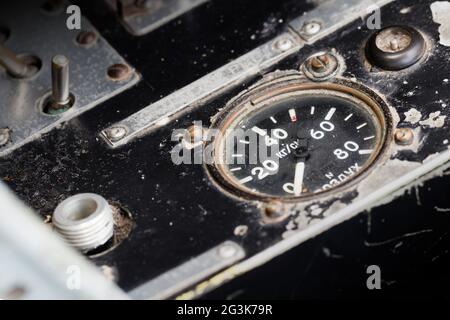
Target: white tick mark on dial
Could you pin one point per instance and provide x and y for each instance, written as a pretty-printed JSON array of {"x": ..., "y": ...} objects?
[
  {"x": 348, "y": 117},
  {"x": 259, "y": 131},
  {"x": 361, "y": 125},
  {"x": 330, "y": 114},
  {"x": 245, "y": 180}
]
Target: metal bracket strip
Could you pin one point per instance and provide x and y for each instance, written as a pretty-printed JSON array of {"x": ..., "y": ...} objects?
[
  {"x": 232, "y": 74},
  {"x": 46, "y": 35},
  {"x": 330, "y": 16},
  {"x": 191, "y": 272}
]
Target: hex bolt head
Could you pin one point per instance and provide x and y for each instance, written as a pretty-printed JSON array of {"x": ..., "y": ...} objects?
[
  {"x": 311, "y": 28},
  {"x": 119, "y": 72},
  {"x": 86, "y": 38},
  {"x": 404, "y": 136},
  {"x": 116, "y": 133},
  {"x": 5, "y": 135}
]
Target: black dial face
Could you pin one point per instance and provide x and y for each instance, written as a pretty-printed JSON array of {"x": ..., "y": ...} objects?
[{"x": 300, "y": 145}]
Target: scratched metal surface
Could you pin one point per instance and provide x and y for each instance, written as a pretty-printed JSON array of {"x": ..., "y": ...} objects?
[{"x": 179, "y": 214}]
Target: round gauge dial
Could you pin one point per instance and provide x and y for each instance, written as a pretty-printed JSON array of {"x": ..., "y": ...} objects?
[{"x": 299, "y": 142}]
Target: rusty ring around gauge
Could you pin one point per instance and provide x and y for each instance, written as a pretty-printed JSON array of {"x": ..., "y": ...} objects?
[{"x": 279, "y": 88}]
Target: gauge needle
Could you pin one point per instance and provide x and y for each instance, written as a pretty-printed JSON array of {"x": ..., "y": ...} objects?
[{"x": 298, "y": 178}]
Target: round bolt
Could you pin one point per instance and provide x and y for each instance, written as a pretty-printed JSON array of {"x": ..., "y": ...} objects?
[
  {"x": 116, "y": 133},
  {"x": 404, "y": 136},
  {"x": 283, "y": 44},
  {"x": 227, "y": 251},
  {"x": 5, "y": 135},
  {"x": 311, "y": 28},
  {"x": 86, "y": 38},
  {"x": 118, "y": 72}
]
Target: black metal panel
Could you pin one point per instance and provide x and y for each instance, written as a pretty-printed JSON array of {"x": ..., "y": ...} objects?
[
  {"x": 179, "y": 213},
  {"x": 407, "y": 239}
]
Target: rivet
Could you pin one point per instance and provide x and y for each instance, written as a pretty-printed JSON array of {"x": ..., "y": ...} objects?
[
  {"x": 86, "y": 38},
  {"x": 283, "y": 44},
  {"x": 118, "y": 72},
  {"x": 311, "y": 28}
]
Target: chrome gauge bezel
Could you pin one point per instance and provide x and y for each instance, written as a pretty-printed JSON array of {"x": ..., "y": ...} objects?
[{"x": 266, "y": 93}]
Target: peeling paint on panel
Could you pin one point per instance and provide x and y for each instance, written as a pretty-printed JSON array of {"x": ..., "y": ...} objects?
[
  {"x": 441, "y": 14},
  {"x": 413, "y": 116},
  {"x": 435, "y": 120}
]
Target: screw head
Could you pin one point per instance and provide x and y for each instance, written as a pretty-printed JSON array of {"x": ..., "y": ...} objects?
[
  {"x": 404, "y": 136},
  {"x": 393, "y": 39},
  {"x": 227, "y": 251},
  {"x": 283, "y": 44},
  {"x": 311, "y": 28},
  {"x": 5, "y": 135},
  {"x": 320, "y": 67},
  {"x": 320, "y": 63},
  {"x": 86, "y": 38},
  {"x": 116, "y": 133},
  {"x": 118, "y": 72}
]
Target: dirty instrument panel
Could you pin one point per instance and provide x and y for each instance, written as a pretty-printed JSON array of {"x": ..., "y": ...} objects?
[{"x": 230, "y": 150}]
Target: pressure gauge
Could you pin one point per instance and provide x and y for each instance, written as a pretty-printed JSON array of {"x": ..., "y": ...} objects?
[{"x": 295, "y": 139}]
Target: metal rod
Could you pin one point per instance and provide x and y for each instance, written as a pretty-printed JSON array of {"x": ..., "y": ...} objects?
[
  {"x": 13, "y": 64},
  {"x": 60, "y": 80}
]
